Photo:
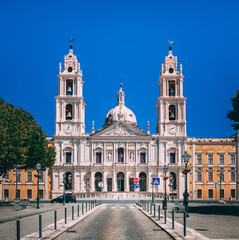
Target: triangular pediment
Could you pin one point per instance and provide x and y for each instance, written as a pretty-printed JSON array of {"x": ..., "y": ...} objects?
[{"x": 120, "y": 129}]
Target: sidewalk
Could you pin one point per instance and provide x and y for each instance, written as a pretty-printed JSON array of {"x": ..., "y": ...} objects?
[
  {"x": 219, "y": 228},
  {"x": 29, "y": 220}
]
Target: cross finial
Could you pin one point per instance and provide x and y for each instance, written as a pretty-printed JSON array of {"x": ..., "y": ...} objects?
[
  {"x": 170, "y": 43},
  {"x": 71, "y": 41}
]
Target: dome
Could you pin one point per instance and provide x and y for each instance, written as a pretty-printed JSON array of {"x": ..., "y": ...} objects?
[{"x": 120, "y": 112}]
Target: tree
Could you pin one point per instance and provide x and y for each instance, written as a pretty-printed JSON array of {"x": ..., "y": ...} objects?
[
  {"x": 233, "y": 115},
  {"x": 22, "y": 140}
]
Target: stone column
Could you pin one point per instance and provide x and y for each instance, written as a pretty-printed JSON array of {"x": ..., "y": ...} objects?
[
  {"x": 92, "y": 181},
  {"x": 114, "y": 181},
  {"x": 149, "y": 178},
  {"x": 82, "y": 185},
  {"x": 104, "y": 181},
  {"x": 126, "y": 183}
]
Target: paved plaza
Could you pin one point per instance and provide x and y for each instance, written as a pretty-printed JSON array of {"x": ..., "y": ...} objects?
[{"x": 206, "y": 221}]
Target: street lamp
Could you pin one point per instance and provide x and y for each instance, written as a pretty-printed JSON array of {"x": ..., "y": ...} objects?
[
  {"x": 186, "y": 157},
  {"x": 17, "y": 173},
  {"x": 220, "y": 174},
  {"x": 38, "y": 167},
  {"x": 64, "y": 188},
  {"x": 165, "y": 169},
  {"x": 152, "y": 188}
]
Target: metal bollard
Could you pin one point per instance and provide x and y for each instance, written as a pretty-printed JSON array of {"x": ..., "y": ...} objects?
[
  {"x": 55, "y": 220},
  {"x": 184, "y": 223},
  {"x": 165, "y": 215},
  {"x": 78, "y": 210},
  {"x": 154, "y": 210},
  {"x": 82, "y": 208},
  {"x": 65, "y": 215},
  {"x": 86, "y": 207},
  {"x": 172, "y": 219},
  {"x": 40, "y": 226},
  {"x": 72, "y": 212},
  {"x": 18, "y": 229},
  {"x": 159, "y": 213},
  {"x": 151, "y": 206}
]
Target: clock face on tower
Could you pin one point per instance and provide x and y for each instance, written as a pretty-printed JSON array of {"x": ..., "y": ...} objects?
[
  {"x": 172, "y": 128},
  {"x": 68, "y": 128}
]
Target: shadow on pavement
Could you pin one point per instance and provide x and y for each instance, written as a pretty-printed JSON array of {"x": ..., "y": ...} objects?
[{"x": 215, "y": 210}]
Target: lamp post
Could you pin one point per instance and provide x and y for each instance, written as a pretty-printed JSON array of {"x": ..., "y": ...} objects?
[
  {"x": 152, "y": 188},
  {"x": 38, "y": 167},
  {"x": 186, "y": 157},
  {"x": 165, "y": 169},
  {"x": 172, "y": 184},
  {"x": 220, "y": 179},
  {"x": 16, "y": 175},
  {"x": 64, "y": 188}
]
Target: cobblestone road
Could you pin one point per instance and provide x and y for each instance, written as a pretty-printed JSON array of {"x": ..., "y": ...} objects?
[{"x": 115, "y": 222}]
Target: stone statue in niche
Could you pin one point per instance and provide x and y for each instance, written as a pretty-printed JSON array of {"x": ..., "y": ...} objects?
[
  {"x": 109, "y": 156},
  {"x": 131, "y": 156}
]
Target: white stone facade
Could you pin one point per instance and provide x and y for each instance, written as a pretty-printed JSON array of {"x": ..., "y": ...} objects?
[{"x": 120, "y": 151}]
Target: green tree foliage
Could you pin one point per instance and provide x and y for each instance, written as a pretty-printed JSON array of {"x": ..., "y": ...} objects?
[
  {"x": 22, "y": 140},
  {"x": 233, "y": 115}
]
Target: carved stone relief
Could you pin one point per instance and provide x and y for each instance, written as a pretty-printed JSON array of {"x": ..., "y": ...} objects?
[{"x": 131, "y": 156}]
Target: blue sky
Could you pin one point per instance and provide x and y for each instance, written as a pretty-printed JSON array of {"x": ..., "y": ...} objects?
[{"x": 125, "y": 40}]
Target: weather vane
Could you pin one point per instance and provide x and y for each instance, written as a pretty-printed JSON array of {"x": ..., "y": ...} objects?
[
  {"x": 170, "y": 43},
  {"x": 71, "y": 41}
]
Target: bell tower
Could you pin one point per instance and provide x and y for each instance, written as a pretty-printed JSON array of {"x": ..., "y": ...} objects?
[
  {"x": 70, "y": 106},
  {"x": 171, "y": 115}
]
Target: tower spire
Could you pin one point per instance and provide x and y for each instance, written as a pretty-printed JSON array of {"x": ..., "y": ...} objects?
[
  {"x": 71, "y": 41},
  {"x": 170, "y": 43}
]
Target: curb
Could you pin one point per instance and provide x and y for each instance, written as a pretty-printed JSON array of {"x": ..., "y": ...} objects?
[{"x": 176, "y": 232}]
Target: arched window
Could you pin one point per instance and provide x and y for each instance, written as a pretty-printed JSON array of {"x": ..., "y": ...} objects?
[
  {"x": 171, "y": 88},
  {"x": 69, "y": 87},
  {"x": 142, "y": 182},
  {"x": 67, "y": 177},
  {"x": 120, "y": 155},
  {"x": 172, "y": 115},
  {"x": 68, "y": 112},
  {"x": 120, "y": 182},
  {"x": 98, "y": 178}
]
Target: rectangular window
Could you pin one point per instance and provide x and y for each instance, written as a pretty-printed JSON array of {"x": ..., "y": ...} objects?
[
  {"x": 221, "y": 159},
  {"x": 210, "y": 176},
  {"x": 98, "y": 157},
  {"x": 120, "y": 155},
  {"x": 199, "y": 193},
  {"x": 29, "y": 176},
  {"x": 232, "y": 159},
  {"x": 221, "y": 193},
  {"x": 172, "y": 157},
  {"x": 210, "y": 193},
  {"x": 131, "y": 184},
  {"x": 6, "y": 194},
  {"x": 199, "y": 159},
  {"x": 29, "y": 194},
  {"x": 199, "y": 176},
  {"x": 41, "y": 177},
  {"x": 233, "y": 176},
  {"x": 210, "y": 159},
  {"x": 41, "y": 193},
  {"x": 233, "y": 193},
  {"x": 17, "y": 193},
  {"x": 7, "y": 175},
  {"x": 18, "y": 176},
  {"x": 68, "y": 157},
  {"x": 142, "y": 157}
]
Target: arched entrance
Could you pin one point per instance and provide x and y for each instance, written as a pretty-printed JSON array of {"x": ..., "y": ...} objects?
[
  {"x": 98, "y": 178},
  {"x": 68, "y": 180},
  {"x": 142, "y": 181},
  {"x": 120, "y": 182},
  {"x": 173, "y": 180}
]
